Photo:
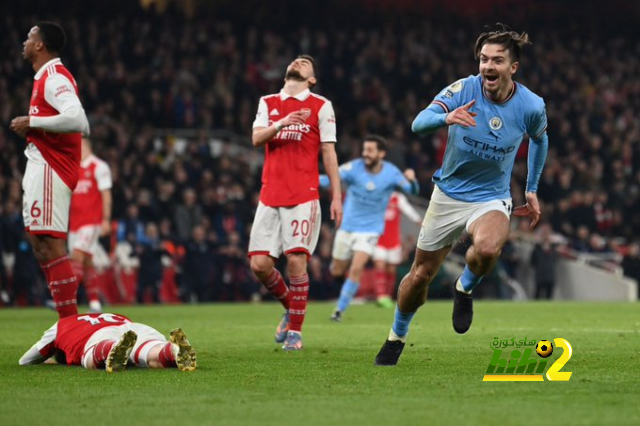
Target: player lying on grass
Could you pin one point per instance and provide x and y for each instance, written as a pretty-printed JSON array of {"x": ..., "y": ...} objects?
[{"x": 111, "y": 341}]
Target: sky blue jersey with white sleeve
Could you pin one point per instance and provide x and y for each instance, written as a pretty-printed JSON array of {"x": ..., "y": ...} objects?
[
  {"x": 478, "y": 161},
  {"x": 368, "y": 194}
]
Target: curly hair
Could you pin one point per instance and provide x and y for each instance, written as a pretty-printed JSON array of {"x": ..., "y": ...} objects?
[{"x": 505, "y": 37}]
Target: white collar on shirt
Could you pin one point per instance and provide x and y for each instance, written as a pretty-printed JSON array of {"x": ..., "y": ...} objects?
[
  {"x": 43, "y": 68},
  {"x": 86, "y": 161},
  {"x": 300, "y": 96}
]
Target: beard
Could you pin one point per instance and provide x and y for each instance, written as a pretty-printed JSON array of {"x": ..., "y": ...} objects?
[
  {"x": 294, "y": 75},
  {"x": 370, "y": 163}
]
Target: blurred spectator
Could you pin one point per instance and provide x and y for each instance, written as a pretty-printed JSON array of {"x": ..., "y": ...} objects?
[
  {"x": 126, "y": 254},
  {"x": 198, "y": 267},
  {"x": 187, "y": 214},
  {"x": 631, "y": 263},
  {"x": 236, "y": 281},
  {"x": 150, "y": 252},
  {"x": 131, "y": 224},
  {"x": 581, "y": 240},
  {"x": 509, "y": 258},
  {"x": 28, "y": 282},
  {"x": 544, "y": 259}
]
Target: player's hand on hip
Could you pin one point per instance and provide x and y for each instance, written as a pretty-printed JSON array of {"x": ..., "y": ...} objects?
[
  {"x": 462, "y": 116},
  {"x": 410, "y": 174},
  {"x": 531, "y": 209},
  {"x": 20, "y": 125},
  {"x": 296, "y": 117},
  {"x": 336, "y": 211}
]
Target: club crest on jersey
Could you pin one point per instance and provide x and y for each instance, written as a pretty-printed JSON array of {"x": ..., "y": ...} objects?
[
  {"x": 348, "y": 166},
  {"x": 456, "y": 87},
  {"x": 370, "y": 186},
  {"x": 495, "y": 123}
]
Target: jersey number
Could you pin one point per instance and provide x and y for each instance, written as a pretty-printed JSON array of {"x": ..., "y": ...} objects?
[
  {"x": 115, "y": 319},
  {"x": 300, "y": 228},
  {"x": 35, "y": 210}
]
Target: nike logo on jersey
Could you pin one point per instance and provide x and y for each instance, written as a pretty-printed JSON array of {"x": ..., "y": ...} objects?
[{"x": 274, "y": 112}]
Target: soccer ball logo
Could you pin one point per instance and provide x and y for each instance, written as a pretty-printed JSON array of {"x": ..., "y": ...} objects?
[{"x": 544, "y": 348}]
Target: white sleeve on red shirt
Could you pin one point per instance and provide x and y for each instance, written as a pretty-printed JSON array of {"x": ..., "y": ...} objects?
[
  {"x": 327, "y": 123},
  {"x": 61, "y": 95},
  {"x": 43, "y": 349},
  {"x": 103, "y": 176},
  {"x": 407, "y": 209},
  {"x": 262, "y": 116}
]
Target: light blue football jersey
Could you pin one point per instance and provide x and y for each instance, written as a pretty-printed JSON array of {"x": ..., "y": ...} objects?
[
  {"x": 478, "y": 161},
  {"x": 368, "y": 194}
]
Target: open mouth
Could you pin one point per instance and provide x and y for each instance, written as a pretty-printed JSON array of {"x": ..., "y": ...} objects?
[{"x": 491, "y": 78}]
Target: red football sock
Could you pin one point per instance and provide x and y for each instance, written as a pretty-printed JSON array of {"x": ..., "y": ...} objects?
[
  {"x": 380, "y": 283},
  {"x": 101, "y": 351},
  {"x": 298, "y": 305},
  {"x": 277, "y": 287},
  {"x": 166, "y": 357},
  {"x": 91, "y": 284},
  {"x": 63, "y": 285},
  {"x": 78, "y": 270}
]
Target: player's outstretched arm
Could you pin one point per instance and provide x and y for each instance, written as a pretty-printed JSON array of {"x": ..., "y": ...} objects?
[
  {"x": 42, "y": 349},
  {"x": 408, "y": 183},
  {"x": 263, "y": 135},
  {"x": 431, "y": 119},
  {"x": 408, "y": 210},
  {"x": 105, "y": 227},
  {"x": 32, "y": 356},
  {"x": 330, "y": 161},
  {"x": 538, "y": 148}
]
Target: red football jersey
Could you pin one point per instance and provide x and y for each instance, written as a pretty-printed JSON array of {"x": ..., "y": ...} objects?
[
  {"x": 60, "y": 150},
  {"x": 398, "y": 203},
  {"x": 71, "y": 334},
  {"x": 86, "y": 201},
  {"x": 290, "y": 174}
]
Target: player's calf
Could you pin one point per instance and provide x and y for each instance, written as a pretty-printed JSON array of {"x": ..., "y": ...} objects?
[{"x": 118, "y": 356}]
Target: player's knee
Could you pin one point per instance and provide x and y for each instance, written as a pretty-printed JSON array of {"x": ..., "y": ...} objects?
[
  {"x": 422, "y": 276},
  {"x": 487, "y": 249},
  {"x": 260, "y": 265},
  {"x": 335, "y": 271},
  {"x": 42, "y": 253},
  {"x": 296, "y": 264}
]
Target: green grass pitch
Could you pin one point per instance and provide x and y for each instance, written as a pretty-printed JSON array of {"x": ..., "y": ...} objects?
[{"x": 245, "y": 379}]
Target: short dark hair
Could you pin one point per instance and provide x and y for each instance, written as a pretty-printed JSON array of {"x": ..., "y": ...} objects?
[
  {"x": 52, "y": 35},
  {"x": 313, "y": 63},
  {"x": 504, "y": 37},
  {"x": 379, "y": 140}
]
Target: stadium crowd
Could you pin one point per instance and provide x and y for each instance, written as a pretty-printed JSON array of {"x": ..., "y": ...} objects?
[{"x": 139, "y": 73}]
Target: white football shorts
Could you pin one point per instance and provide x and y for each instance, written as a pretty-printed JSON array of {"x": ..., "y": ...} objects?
[
  {"x": 148, "y": 338},
  {"x": 345, "y": 243},
  {"x": 84, "y": 239},
  {"x": 392, "y": 256},
  {"x": 446, "y": 218},
  {"x": 278, "y": 230},
  {"x": 45, "y": 202}
]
